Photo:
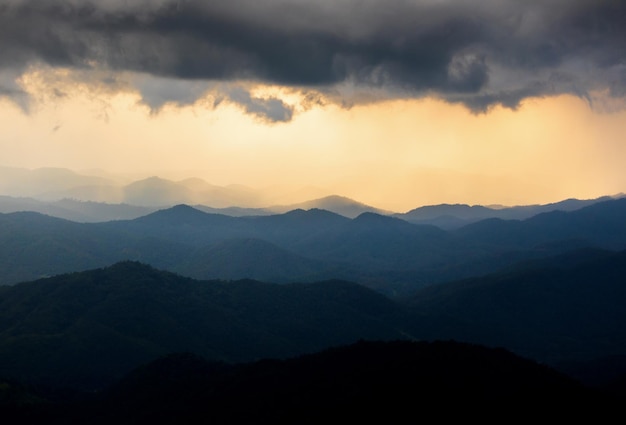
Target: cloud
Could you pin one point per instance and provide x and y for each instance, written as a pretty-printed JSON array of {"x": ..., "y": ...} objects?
[
  {"x": 271, "y": 109},
  {"x": 478, "y": 53},
  {"x": 157, "y": 91},
  {"x": 10, "y": 88}
]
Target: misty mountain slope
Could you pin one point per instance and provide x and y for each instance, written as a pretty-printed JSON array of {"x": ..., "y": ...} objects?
[
  {"x": 99, "y": 212},
  {"x": 447, "y": 216},
  {"x": 9, "y": 204},
  {"x": 232, "y": 195},
  {"x": 86, "y": 329},
  {"x": 526, "y": 211},
  {"x": 386, "y": 253},
  {"x": 601, "y": 224},
  {"x": 155, "y": 191},
  {"x": 70, "y": 209},
  {"x": 185, "y": 224},
  {"x": 337, "y": 204},
  {"x": 42, "y": 183},
  {"x": 376, "y": 241},
  {"x": 254, "y": 259},
  {"x": 35, "y": 245},
  {"x": 234, "y": 211},
  {"x": 559, "y": 309},
  {"x": 293, "y": 227},
  {"x": 454, "y": 216}
]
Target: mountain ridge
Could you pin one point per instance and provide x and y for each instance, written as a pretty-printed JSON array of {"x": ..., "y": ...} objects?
[{"x": 51, "y": 185}]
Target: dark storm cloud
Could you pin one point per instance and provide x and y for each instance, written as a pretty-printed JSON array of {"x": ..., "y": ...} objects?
[{"x": 478, "y": 53}]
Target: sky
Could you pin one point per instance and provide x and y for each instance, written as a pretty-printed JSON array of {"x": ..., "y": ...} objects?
[{"x": 395, "y": 103}]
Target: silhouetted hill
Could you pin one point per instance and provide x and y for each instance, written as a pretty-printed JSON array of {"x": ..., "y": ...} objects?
[
  {"x": 362, "y": 382},
  {"x": 295, "y": 226},
  {"x": 35, "y": 245},
  {"x": 185, "y": 224},
  {"x": 454, "y": 216},
  {"x": 376, "y": 241},
  {"x": 155, "y": 191},
  {"x": 10, "y": 204},
  {"x": 253, "y": 259},
  {"x": 392, "y": 382},
  {"x": 87, "y": 329},
  {"x": 70, "y": 209},
  {"x": 550, "y": 310},
  {"x": 386, "y": 253},
  {"x": 182, "y": 215},
  {"x": 601, "y": 224},
  {"x": 337, "y": 204},
  {"x": 234, "y": 211},
  {"x": 448, "y": 216}
]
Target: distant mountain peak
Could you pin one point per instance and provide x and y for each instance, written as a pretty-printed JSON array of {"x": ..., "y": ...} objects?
[
  {"x": 333, "y": 203},
  {"x": 151, "y": 179},
  {"x": 373, "y": 217},
  {"x": 310, "y": 213},
  {"x": 178, "y": 214},
  {"x": 131, "y": 265}
]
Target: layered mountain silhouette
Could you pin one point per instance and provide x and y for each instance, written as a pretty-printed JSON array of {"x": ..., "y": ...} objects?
[
  {"x": 103, "y": 197},
  {"x": 564, "y": 308},
  {"x": 382, "y": 252},
  {"x": 71, "y": 209},
  {"x": 48, "y": 186},
  {"x": 454, "y": 216},
  {"x": 157, "y": 267},
  {"x": 242, "y": 258},
  {"x": 338, "y": 204},
  {"x": 86, "y": 329}
]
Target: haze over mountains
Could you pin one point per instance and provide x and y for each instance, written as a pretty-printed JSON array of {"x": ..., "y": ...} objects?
[
  {"x": 88, "y": 298},
  {"x": 102, "y": 197},
  {"x": 382, "y": 252},
  {"x": 372, "y": 212},
  {"x": 53, "y": 184}
]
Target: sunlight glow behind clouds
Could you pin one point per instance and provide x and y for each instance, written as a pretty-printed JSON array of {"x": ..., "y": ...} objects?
[
  {"x": 396, "y": 103},
  {"x": 395, "y": 154},
  {"x": 478, "y": 54}
]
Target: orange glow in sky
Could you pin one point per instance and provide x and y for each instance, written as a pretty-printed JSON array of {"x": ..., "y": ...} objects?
[{"x": 396, "y": 154}]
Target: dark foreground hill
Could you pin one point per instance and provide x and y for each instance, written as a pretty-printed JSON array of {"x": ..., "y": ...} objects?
[
  {"x": 368, "y": 382},
  {"x": 570, "y": 307},
  {"x": 87, "y": 329}
]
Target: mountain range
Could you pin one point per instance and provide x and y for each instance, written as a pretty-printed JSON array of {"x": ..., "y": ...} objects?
[
  {"x": 51, "y": 185},
  {"x": 88, "y": 329},
  {"x": 156, "y": 301},
  {"x": 95, "y": 197},
  {"x": 382, "y": 252}
]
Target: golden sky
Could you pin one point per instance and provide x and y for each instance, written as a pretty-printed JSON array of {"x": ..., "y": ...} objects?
[
  {"x": 396, "y": 104},
  {"x": 395, "y": 154}
]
